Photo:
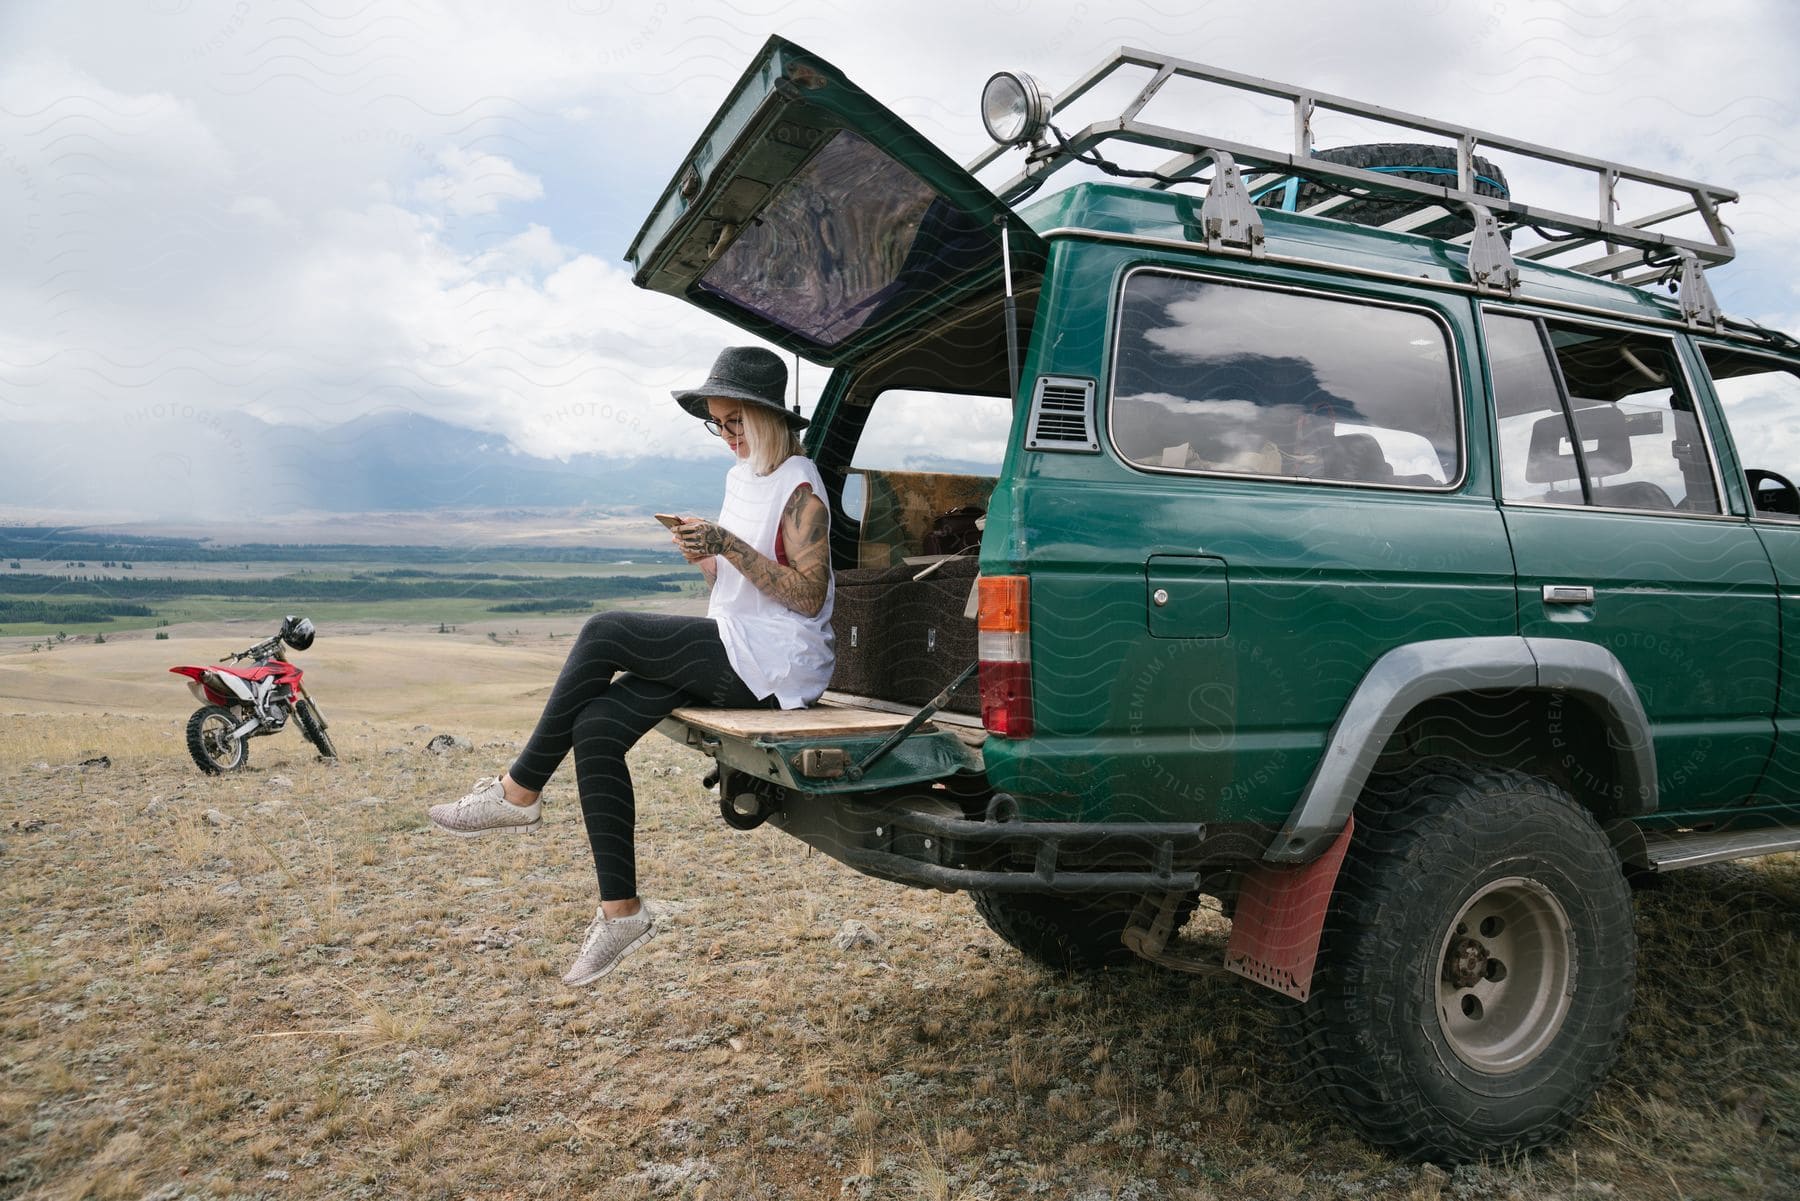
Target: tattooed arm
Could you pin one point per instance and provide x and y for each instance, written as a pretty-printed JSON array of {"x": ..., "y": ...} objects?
[
  {"x": 802, "y": 586},
  {"x": 708, "y": 564}
]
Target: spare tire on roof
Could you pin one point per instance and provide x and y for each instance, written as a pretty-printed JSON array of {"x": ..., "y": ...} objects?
[{"x": 1408, "y": 160}]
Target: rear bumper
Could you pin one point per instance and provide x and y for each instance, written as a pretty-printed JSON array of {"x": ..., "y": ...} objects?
[{"x": 927, "y": 842}]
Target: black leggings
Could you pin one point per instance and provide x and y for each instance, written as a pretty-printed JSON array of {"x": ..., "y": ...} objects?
[{"x": 669, "y": 662}]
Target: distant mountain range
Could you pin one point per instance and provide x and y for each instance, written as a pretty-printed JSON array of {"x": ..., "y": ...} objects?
[{"x": 194, "y": 466}]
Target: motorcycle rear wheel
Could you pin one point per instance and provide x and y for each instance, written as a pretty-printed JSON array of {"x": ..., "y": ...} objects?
[
  {"x": 209, "y": 740},
  {"x": 312, "y": 724}
]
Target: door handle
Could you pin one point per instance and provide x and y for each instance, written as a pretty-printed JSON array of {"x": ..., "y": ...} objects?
[{"x": 1568, "y": 594}]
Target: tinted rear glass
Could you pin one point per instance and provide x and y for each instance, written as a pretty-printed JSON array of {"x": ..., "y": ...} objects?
[
  {"x": 852, "y": 237},
  {"x": 1223, "y": 378}
]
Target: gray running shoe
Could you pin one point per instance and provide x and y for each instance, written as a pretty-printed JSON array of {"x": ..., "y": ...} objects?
[
  {"x": 485, "y": 811},
  {"x": 608, "y": 940}
]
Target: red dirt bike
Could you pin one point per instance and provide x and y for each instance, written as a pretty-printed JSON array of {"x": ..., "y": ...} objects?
[{"x": 241, "y": 703}]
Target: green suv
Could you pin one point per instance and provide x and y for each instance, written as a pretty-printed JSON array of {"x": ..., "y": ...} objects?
[{"x": 1329, "y": 533}]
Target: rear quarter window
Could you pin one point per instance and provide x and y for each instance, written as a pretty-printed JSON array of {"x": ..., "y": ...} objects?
[
  {"x": 914, "y": 430},
  {"x": 923, "y": 459},
  {"x": 1237, "y": 380}
]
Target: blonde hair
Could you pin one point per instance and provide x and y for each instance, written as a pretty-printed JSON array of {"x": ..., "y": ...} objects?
[{"x": 770, "y": 438}]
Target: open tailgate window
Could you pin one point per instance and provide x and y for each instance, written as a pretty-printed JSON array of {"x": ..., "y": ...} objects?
[{"x": 811, "y": 216}]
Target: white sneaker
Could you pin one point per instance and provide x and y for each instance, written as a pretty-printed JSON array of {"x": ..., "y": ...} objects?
[
  {"x": 485, "y": 811},
  {"x": 608, "y": 940}
]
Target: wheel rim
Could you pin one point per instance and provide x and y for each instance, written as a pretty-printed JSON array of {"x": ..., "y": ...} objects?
[
  {"x": 215, "y": 737},
  {"x": 1506, "y": 972}
]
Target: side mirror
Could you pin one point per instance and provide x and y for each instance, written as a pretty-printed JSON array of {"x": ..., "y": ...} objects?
[{"x": 1772, "y": 492}]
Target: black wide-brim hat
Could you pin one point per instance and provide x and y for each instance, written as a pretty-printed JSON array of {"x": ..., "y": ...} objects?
[{"x": 747, "y": 373}]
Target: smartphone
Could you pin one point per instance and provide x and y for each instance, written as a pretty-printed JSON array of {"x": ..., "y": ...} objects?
[{"x": 669, "y": 520}]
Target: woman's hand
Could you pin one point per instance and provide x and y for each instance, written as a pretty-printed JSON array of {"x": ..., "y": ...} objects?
[
  {"x": 692, "y": 535},
  {"x": 803, "y": 583},
  {"x": 698, "y": 539}
]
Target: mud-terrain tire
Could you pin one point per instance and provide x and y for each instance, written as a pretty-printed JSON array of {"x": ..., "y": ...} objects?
[
  {"x": 1427, "y": 161},
  {"x": 312, "y": 725},
  {"x": 1065, "y": 932},
  {"x": 1421, "y": 1042},
  {"x": 213, "y": 753}
]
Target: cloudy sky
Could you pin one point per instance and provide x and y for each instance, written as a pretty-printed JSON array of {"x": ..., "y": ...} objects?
[{"x": 312, "y": 211}]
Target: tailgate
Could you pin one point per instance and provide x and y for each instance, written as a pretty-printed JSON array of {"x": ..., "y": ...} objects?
[
  {"x": 812, "y": 750},
  {"x": 810, "y": 215}
]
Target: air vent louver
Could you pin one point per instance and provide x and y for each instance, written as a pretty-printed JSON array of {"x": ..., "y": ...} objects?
[{"x": 1062, "y": 415}]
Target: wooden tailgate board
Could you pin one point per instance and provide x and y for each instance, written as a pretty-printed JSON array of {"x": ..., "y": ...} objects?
[{"x": 819, "y": 721}]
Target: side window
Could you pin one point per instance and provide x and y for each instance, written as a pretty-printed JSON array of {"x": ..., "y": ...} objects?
[
  {"x": 1761, "y": 401},
  {"x": 924, "y": 467},
  {"x": 909, "y": 430},
  {"x": 1640, "y": 438},
  {"x": 1254, "y": 381},
  {"x": 1638, "y": 443},
  {"x": 1537, "y": 458}
]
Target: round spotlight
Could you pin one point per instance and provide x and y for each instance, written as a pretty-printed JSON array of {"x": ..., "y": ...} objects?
[{"x": 1014, "y": 107}]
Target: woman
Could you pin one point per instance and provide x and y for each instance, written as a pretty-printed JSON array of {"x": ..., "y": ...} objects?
[{"x": 765, "y": 642}]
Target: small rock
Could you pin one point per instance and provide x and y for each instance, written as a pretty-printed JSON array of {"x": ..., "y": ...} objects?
[
  {"x": 1432, "y": 1180},
  {"x": 373, "y": 800},
  {"x": 670, "y": 770},
  {"x": 393, "y": 750},
  {"x": 215, "y": 818},
  {"x": 476, "y": 881},
  {"x": 42, "y": 766},
  {"x": 230, "y": 888},
  {"x": 443, "y": 744},
  {"x": 97, "y": 763},
  {"x": 30, "y": 825},
  {"x": 280, "y": 782},
  {"x": 854, "y": 934},
  {"x": 155, "y": 806},
  {"x": 422, "y": 729}
]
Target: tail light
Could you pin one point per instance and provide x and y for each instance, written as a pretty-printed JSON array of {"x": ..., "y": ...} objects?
[{"x": 1004, "y": 642}]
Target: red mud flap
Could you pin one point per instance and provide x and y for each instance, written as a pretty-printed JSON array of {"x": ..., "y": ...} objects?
[{"x": 1280, "y": 914}]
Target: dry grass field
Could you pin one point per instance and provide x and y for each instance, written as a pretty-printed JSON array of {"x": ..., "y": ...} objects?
[{"x": 284, "y": 984}]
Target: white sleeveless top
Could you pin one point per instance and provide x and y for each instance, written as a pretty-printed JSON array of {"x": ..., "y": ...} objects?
[{"x": 772, "y": 648}]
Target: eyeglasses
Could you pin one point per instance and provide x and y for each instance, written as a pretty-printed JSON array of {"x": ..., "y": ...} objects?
[{"x": 731, "y": 425}]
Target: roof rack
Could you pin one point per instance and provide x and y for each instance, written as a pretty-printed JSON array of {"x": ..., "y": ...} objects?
[{"x": 1626, "y": 250}]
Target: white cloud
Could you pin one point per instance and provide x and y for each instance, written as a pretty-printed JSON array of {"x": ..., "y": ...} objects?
[
  {"x": 527, "y": 253},
  {"x": 260, "y": 207},
  {"x": 471, "y": 183},
  {"x": 310, "y": 216}
]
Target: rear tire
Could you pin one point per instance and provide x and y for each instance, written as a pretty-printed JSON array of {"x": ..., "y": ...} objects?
[
  {"x": 215, "y": 752},
  {"x": 1477, "y": 967},
  {"x": 1063, "y": 932},
  {"x": 312, "y": 725}
]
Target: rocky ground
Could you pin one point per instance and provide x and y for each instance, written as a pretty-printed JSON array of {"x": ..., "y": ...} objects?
[{"x": 284, "y": 984}]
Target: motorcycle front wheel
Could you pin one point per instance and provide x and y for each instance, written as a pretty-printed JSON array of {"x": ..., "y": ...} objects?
[
  {"x": 312, "y": 724},
  {"x": 210, "y": 742}
]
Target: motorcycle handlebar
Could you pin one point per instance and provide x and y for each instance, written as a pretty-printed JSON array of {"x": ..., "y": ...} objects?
[{"x": 269, "y": 648}]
